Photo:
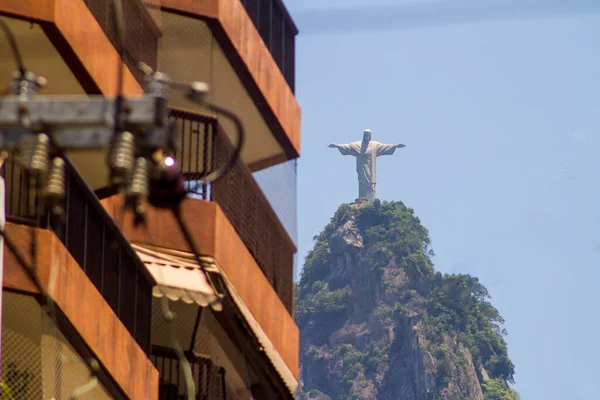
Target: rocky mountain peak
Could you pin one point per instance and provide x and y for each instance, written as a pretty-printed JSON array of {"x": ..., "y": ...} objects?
[{"x": 377, "y": 321}]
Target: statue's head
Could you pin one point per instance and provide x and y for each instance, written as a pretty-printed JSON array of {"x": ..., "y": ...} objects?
[{"x": 367, "y": 135}]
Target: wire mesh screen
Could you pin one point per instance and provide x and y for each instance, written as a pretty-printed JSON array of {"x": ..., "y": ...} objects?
[
  {"x": 64, "y": 371},
  {"x": 185, "y": 53},
  {"x": 141, "y": 30},
  {"x": 218, "y": 369},
  {"x": 251, "y": 214},
  {"x": 277, "y": 32},
  {"x": 21, "y": 348},
  {"x": 279, "y": 184},
  {"x": 213, "y": 342},
  {"x": 37, "y": 360}
]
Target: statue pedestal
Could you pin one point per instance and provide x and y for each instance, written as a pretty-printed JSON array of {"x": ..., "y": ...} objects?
[{"x": 360, "y": 200}]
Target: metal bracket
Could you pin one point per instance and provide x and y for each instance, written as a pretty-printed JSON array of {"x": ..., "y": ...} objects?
[{"x": 84, "y": 123}]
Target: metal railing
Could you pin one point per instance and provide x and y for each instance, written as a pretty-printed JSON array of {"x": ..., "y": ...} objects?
[
  {"x": 94, "y": 240},
  {"x": 204, "y": 146},
  {"x": 197, "y": 149},
  {"x": 278, "y": 31},
  {"x": 209, "y": 379}
]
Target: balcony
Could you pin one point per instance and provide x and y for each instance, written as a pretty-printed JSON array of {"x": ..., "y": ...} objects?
[
  {"x": 95, "y": 242},
  {"x": 240, "y": 198},
  {"x": 218, "y": 43},
  {"x": 278, "y": 31}
]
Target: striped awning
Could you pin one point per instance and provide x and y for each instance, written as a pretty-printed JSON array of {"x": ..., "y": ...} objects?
[
  {"x": 177, "y": 275},
  {"x": 181, "y": 279}
]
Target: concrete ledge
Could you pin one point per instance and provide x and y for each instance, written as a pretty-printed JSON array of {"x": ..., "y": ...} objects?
[{"x": 96, "y": 323}]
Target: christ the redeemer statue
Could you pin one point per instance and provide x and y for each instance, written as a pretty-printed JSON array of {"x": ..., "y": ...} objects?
[{"x": 366, "y": 153}]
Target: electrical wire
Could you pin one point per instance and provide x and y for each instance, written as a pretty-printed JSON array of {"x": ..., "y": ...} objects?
[
  {"x": 31, "y": 273},
  {"x": 50, "y": 310},
  {"x": 211, "y": 177},
  {"x": 92, "y": 363},
  {"x": 189, "y": 238},
  {"x": 214, "y": 176},
  {"x": 34, "y": 228},
  {"x": 13, "y": 45},
  {"x": 217, "y": 174},
  {"x": 170, "y": 317},
  {"x": 85, "y": 389},
  {"x": 120, "y": 22},
  {"x": 176, "y": 210},
  {"x": 45, "y": 299},
  {"x": 91, "y": 385},
  {"x": 120, "y": 25},
  {"x": 168, "y": 314}
]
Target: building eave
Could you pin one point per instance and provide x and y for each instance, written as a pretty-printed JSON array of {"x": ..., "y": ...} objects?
[
  {"x": 255, "y": 65},
  {"x": 81, "y": 41}
]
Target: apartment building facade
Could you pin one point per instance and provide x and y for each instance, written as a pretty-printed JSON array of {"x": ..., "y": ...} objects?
[{"x": 98, "y": 322}]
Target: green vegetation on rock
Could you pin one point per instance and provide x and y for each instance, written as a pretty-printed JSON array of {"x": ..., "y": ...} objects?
[{"x": 377, "y": 321}]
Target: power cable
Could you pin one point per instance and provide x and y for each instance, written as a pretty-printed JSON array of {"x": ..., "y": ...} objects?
[{"x": 13, "y": 45}]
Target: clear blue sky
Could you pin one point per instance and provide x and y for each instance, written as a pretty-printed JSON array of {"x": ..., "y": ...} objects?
[{"x": 501, "y": 118}]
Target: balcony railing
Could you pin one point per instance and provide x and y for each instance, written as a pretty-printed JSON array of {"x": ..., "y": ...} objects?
[
  {"x": 205, "y": 146},
  {"x": 93, "y": 239},
  {"x": 278, "y": 31},
  {"x": 209, "y": 379}
]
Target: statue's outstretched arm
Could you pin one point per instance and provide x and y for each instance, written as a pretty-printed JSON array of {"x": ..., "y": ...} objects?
[
  {"x": 349, "y": 149},
  {"x": 400, "y": 146}
]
